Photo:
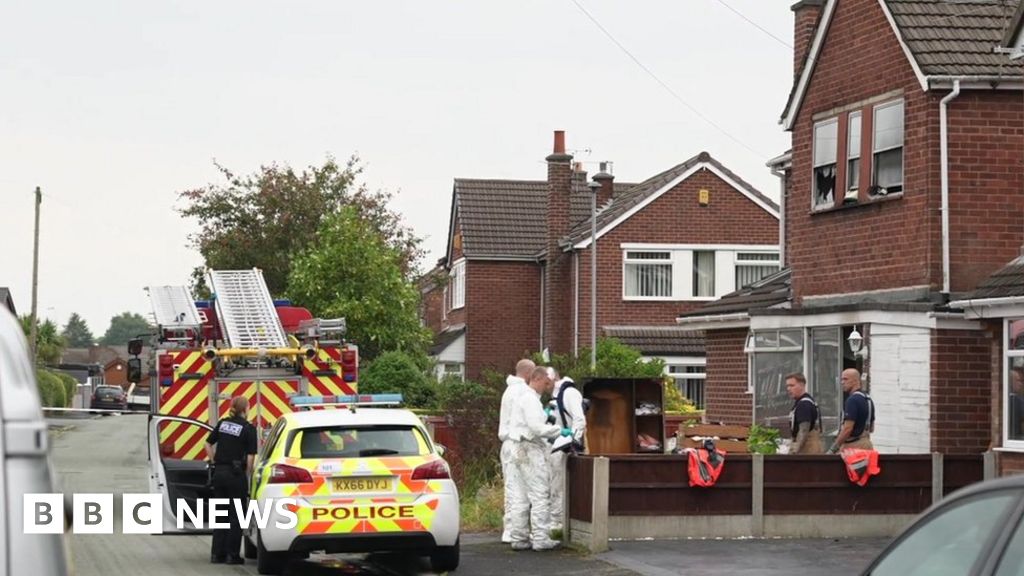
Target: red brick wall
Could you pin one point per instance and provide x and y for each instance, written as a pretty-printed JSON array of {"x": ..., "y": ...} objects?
[
  {"x": 726, "y": 384},
  {"x": 116, "y": 374},
  {"x": 431, "y": 302},
  {"x": 861, "y": 59},
  {"x": 1011, "y": 463},
  {"x": 961, "y": 391},
  {"x": 805, "y": 16},
  {"x": 503, "y": 314},
  {"x": 986, "y": 144},
  {"x": 674, "y": 218},
  {"x": 558, "y": 268}
]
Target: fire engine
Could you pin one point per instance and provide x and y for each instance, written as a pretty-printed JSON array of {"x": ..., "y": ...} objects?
[{"x": 240, "y": 342}]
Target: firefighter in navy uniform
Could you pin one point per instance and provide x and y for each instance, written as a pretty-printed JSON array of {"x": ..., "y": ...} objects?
[{"x": 232, "y": 449}]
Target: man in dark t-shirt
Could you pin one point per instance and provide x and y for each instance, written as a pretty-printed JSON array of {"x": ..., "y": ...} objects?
[
  {"x": 858, "y": 415},
  {"x": 804, "y": 421}
]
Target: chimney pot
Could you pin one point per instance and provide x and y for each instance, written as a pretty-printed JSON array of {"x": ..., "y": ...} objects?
[{"x": 559, "y": 142}]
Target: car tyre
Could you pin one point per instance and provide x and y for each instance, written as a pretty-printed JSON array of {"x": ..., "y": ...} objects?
[
  {"x": 272, "y": 563},
  {"x": 445, "y": 558},
  {"x": 248, "y": 548}
]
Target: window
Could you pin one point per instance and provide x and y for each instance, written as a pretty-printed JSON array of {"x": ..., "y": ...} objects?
[
  {"x": 853, "y": 157},
  {"x": 949, "y": 541},
  {"x": 458, "y": 285},
  {"x": 825, "y": 143},
  {"x": 887, "y": 147},
  {"x": 753, "y": 266},
  {"x": 359, "y": 442},
  {"x": 690, "y": 382},
  {"x": 772, "y": 355},
  {"x": 1013, "y": 385},
  {"x": 451, "y": 370},
  {"x": 648, "y": 274},
  {"x": 827, "y": 348},
  {"x": 704, "y": 274}
]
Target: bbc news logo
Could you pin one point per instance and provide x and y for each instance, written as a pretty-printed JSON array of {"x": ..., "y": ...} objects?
[{"x": 144, "y": 513}]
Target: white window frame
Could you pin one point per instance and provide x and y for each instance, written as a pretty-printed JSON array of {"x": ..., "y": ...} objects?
[
  {"x": 458, "y": 284},
  {"x": 853, "y": 152},
  {"x": 1013, "y": 445},
  {"x": 685, "y": 363},
  {"x": 672, "y": 261},
  {"x": 815, "y": 165},
  {"x": 682, "y": 268},
  {"x": 758, "y": 263},
  {"x": 875, "y": 151},
  {"x": 441, "y": 372}
]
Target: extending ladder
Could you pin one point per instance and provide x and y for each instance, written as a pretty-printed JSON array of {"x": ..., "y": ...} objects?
[
  {"x": 174, "y": 310},
  {"x": 247, "y": 315}
]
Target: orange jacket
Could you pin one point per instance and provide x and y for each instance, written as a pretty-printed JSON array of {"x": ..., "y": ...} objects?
[
  {"x": 704, "y": 468},
  {"x": 860, "y": 464}
]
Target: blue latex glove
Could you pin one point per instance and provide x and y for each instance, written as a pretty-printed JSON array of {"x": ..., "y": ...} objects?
[
  {"x": 566, "y": 431},
  {"x": 548, "y": 411}
]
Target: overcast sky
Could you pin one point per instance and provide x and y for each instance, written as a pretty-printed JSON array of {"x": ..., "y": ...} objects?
[{"x": 114, "y": 107}]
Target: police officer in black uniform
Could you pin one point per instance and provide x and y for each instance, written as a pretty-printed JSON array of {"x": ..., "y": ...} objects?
[{"x": 232, "y": 449}]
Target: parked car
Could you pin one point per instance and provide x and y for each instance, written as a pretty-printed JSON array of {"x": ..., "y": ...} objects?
[
  {"x": 25, "y": 466},
  {"x": 976, "y": 531},
  {"x": 109, "y": 398}
]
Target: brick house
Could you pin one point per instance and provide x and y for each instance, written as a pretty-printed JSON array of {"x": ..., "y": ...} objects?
[
  {"x": 519, "y": 254},
  {"x": 901, "y": 193}
]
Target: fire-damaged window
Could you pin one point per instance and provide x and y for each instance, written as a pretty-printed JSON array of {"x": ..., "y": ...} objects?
[
  {"x": 826, "y": 140},
  {"x": 887, "y": 147},
  {"x": 1013, "y": 385},
  {"x": 772, "y": 355}
]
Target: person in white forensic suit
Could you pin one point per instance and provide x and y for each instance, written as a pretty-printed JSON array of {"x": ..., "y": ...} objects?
[
  {"x": 530, "y": 485},
  {"x": 515, "y": 384},
  {"x": 566, "y": 407}
]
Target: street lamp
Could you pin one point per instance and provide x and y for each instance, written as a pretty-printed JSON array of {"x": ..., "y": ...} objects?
[{"x": 594, "y": 188}]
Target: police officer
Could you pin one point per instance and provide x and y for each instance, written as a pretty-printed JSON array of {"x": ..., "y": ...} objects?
[{"x": 232, "y": 449}]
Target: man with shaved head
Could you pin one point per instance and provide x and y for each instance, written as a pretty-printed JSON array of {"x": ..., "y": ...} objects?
[
  {"x": 858, "y": 415},
  {"x": 514, "y": 385}
]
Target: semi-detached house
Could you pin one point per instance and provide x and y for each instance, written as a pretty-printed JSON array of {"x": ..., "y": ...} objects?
[
  {"x": 903, "y": 193},
  {"x": 516, "y": 276}
]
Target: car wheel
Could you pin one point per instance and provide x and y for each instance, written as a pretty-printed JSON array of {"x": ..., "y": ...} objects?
[
  {"x": 445, "y": 558},
  {"x": 269, "y": 562},
  {"x": 248, "y": 548}
]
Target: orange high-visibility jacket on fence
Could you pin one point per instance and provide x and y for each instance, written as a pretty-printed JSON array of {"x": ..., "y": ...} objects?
[
  {"x": 860, "y": 464},
  {"x": 704, "y": 466}
]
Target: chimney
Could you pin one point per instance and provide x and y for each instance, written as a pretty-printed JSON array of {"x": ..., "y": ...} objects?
[
  {"x": 557, "y": 269},
  {"x": 607, "y": 182},
  {"x": 805, "y": 13}
]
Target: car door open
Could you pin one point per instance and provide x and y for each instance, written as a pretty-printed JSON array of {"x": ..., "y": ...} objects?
[{"x": 179, "y": 471}]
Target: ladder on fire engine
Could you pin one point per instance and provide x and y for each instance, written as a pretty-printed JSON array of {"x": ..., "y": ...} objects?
[
  {"x": 247, "y": 315},
  {"x": 174, "y": 312}
]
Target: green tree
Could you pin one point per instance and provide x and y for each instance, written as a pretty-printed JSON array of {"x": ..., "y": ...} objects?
[
  {"x": 50, "y": 345},
  {"x": 352, "y": 271},
  {"x": 263, "y": 220},
  {"x": 614, "y": 360},
  {"x": 398, "y": 372},
  {"x": 124, "y": 327},
  {"x": 76, "y": 332}
]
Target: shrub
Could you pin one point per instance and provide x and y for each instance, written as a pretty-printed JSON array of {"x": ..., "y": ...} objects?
[
  {"x": 472, "y": 411},
  {"x": 70, "y": 386},
  {"x": 763, "y": 440},
  {"x": 398, "y": 372},
  {"x": 614, "y": 360},
  {"x": 51, "y": 389}
]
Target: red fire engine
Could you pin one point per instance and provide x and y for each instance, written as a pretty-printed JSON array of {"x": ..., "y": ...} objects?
[{"x": 239, "y": 343}]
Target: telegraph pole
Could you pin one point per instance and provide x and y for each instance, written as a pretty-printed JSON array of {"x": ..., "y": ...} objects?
[{"x": 35, "y": 275}]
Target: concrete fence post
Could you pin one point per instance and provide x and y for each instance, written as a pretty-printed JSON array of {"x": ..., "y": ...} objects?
[
  {"x": 988, "y": 462},
  {"x": 757, "y": 495},
  {"x": 599, "y": 506},
  {"x": 938, "y": 481}
]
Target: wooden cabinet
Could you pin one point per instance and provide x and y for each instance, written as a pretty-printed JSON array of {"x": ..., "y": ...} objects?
[{"x": 626, "y": 416}]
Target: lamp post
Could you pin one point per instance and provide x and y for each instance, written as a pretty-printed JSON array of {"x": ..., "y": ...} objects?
[{"x": 594, "y": 188}]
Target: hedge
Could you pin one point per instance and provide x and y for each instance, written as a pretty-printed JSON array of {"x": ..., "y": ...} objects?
[{"x": 51, "y": 389}]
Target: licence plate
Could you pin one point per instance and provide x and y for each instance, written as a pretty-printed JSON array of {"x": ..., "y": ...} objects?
[{"x": 371, "y": 484}]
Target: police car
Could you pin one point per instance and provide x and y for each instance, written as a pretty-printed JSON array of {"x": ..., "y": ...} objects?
[{"x": 364, "y": 480}]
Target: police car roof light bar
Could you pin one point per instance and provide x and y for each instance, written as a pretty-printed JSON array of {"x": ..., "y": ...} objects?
[{"x": 347, "y": 400}]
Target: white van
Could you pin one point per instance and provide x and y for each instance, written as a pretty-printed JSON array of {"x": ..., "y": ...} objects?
[{"x": 25, "y": 462}]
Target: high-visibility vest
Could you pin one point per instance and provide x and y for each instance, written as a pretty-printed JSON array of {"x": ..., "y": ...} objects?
[
  {"x": 704, "y": 466},
  {"x": 861, "y": 464}
]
